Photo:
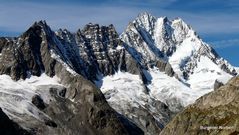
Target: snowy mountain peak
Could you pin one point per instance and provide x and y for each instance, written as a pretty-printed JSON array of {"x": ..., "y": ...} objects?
[
  {"x": 180, "y": 21},
  {"x": 182, "y": 30},
  {"x": 174, "y": 41},
  {"x": 145, "y": 20},
  {"x": 194, "y": 62},
  {"x": 145, "y": 16}
]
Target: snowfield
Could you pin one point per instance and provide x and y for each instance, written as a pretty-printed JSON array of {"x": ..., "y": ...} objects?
[
  {"x": 170, "y": 90},
  {"x": 124, "y": 90},
  {"x": 205, "y": 75},
  {"x": 16, "y": 96}
]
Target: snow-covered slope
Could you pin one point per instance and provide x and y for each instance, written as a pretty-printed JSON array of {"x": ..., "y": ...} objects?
[
  {"x": 16, "y": 97},
  {"x": 204, "y": 75},
  {"x": 149, "y": 38},
  {"x": 169, "y": 90},
  {"x": 237, "y": 69}
]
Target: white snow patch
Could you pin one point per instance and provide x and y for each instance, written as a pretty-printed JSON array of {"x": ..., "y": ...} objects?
[
  {"x": 122, "y": 89},
  {"x": 119, "y": 47},
  {"x": 170, "y": 91},
  {"x": 16, "y": 96},
  {"x": 205, "y": 74},
  {"x": 237, "y": 69},
  {"x": 158, "y": 34},
  {"x": 183, "y": 52},
  {"x": 7, "y": 40}
]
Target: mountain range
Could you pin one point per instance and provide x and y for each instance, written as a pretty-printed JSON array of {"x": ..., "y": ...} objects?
[{"x": 151, "y": 79}]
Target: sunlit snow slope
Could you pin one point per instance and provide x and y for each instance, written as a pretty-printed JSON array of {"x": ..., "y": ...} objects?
[{"x": 16, "y": 96}]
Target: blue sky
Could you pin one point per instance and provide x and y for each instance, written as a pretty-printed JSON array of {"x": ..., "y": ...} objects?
[{"x": 216, "y": 21}]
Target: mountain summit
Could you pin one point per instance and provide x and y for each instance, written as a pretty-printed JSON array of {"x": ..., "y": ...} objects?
[
  {"x": 95, "y": 81},
  {"x": 173, "y": 41}
]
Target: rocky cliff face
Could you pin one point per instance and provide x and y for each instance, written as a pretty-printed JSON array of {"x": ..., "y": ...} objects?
[
  {"x": 100, "y": 49},
  {"x": 214, "y": 113},
  {"x": 74, "y": 106}
]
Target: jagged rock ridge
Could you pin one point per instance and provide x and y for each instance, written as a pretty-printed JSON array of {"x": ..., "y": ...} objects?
[{"x": 81, "y": 110}]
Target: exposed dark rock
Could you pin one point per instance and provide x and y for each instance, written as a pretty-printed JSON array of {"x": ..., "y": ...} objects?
[
  {"x": 160, "y": 64},
  {"x": 62, "y": 92},
  {"x": 217, "y": 85},
  {"x": 50, "y": 123},
  {"x": 8, "y": 127},
  {"x": 103, "y": 52},
  {"x": 130, "y": 126},
  {"x": 226, "y": 69},
  {"x": 146, "y": 121},
  {"x": 169, "y": 70},
  {"x": 165, "y": 67},
  {"x": 38, "y": 102}
]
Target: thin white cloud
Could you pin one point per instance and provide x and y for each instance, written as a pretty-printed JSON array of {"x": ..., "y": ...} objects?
[{"x": 225, "y": 43}]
